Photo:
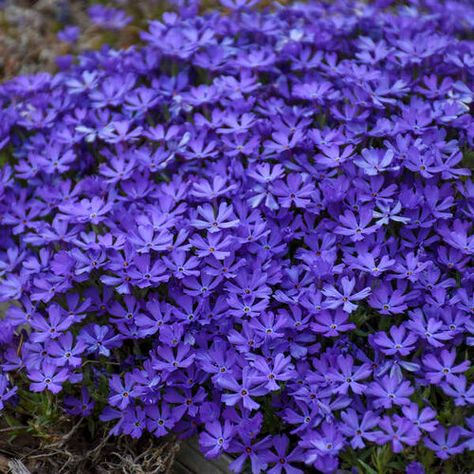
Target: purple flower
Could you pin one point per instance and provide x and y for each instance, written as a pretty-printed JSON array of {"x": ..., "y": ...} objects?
[
  {"x": 429, "y": 329},
  {"x": 282, "y": 459},
  {"x": 123, "y": 392},
  {"x": 331, "y": 323},
  {"x": 415, "y": 468},
  {"x": 442, "y": 367},
  {"x": 48, "y": 377},
  {"x": 242, "y": 390},
  {"x": 111, "y": 18},
  {"x": 358, "y": 429},
  {"x": 293, "y": 192},
  {"x": 281, "y": 369},
  {"x": 252, "y": 226},
  {"x": 389, "y": 391},
  {"x": 99, "y": 339},
  {"x": 147, "y": 239},
  {"x": 134, "y": 421},
  {"x": 215, "y": 220},
  {"x": 347, "y": 376},
  {"x": 445, "y": 442},
  {"x": 458, "y": 389},
  {"x": 171, "y": 360},
  {"x": 65, "y": 351},
  {"x": 366, "y": 262},
  {"x": 87, "y": 210},
  {"x": 182, "y": 264},
  {"x": 400, "y": 341},
  {"x": 345, "y": 299},
  {"x": 327, "y": 441},
  {"x": 374, "y": 161},
  {"x": 423, "y": 419},
  {"x": 216, "y": 438},
  {"x": 83, "y": 406},
  {"x": 6, "y": 392},
  {"x": 215, "y": 245},
  {"x": 247, "y": 448},
  {"x": 51, "y": 328},
  {"x": 161, "y": 419},
  {"x": 397, "y": 431},
  {"x": 356, "y": 228},
  {"x": 69, "y": 34}
]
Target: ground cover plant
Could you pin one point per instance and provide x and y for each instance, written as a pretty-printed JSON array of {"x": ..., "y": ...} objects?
[{"x": 253, "y": 226}]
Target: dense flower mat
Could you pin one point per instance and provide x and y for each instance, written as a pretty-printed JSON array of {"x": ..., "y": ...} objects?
[{"x": 256, "y": 227}]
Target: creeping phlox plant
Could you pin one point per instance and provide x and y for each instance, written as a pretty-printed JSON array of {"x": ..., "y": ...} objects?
[{"x": 255, "y": 227}]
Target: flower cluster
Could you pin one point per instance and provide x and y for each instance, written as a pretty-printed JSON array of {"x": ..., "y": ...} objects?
[{"x": 255, "y": 227}]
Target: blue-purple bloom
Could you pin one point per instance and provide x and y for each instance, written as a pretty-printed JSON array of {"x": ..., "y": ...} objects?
[{"x": 255, "y": 227}]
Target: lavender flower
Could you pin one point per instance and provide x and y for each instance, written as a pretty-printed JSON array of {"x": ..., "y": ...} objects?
[{"x": 255, "y": 227}]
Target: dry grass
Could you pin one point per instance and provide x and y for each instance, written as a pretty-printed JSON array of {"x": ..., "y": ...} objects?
[{"x": 72, "y": 453}]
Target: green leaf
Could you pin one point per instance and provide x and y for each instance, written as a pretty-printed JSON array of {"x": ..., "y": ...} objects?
[{"x": 367, "y": 468}]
